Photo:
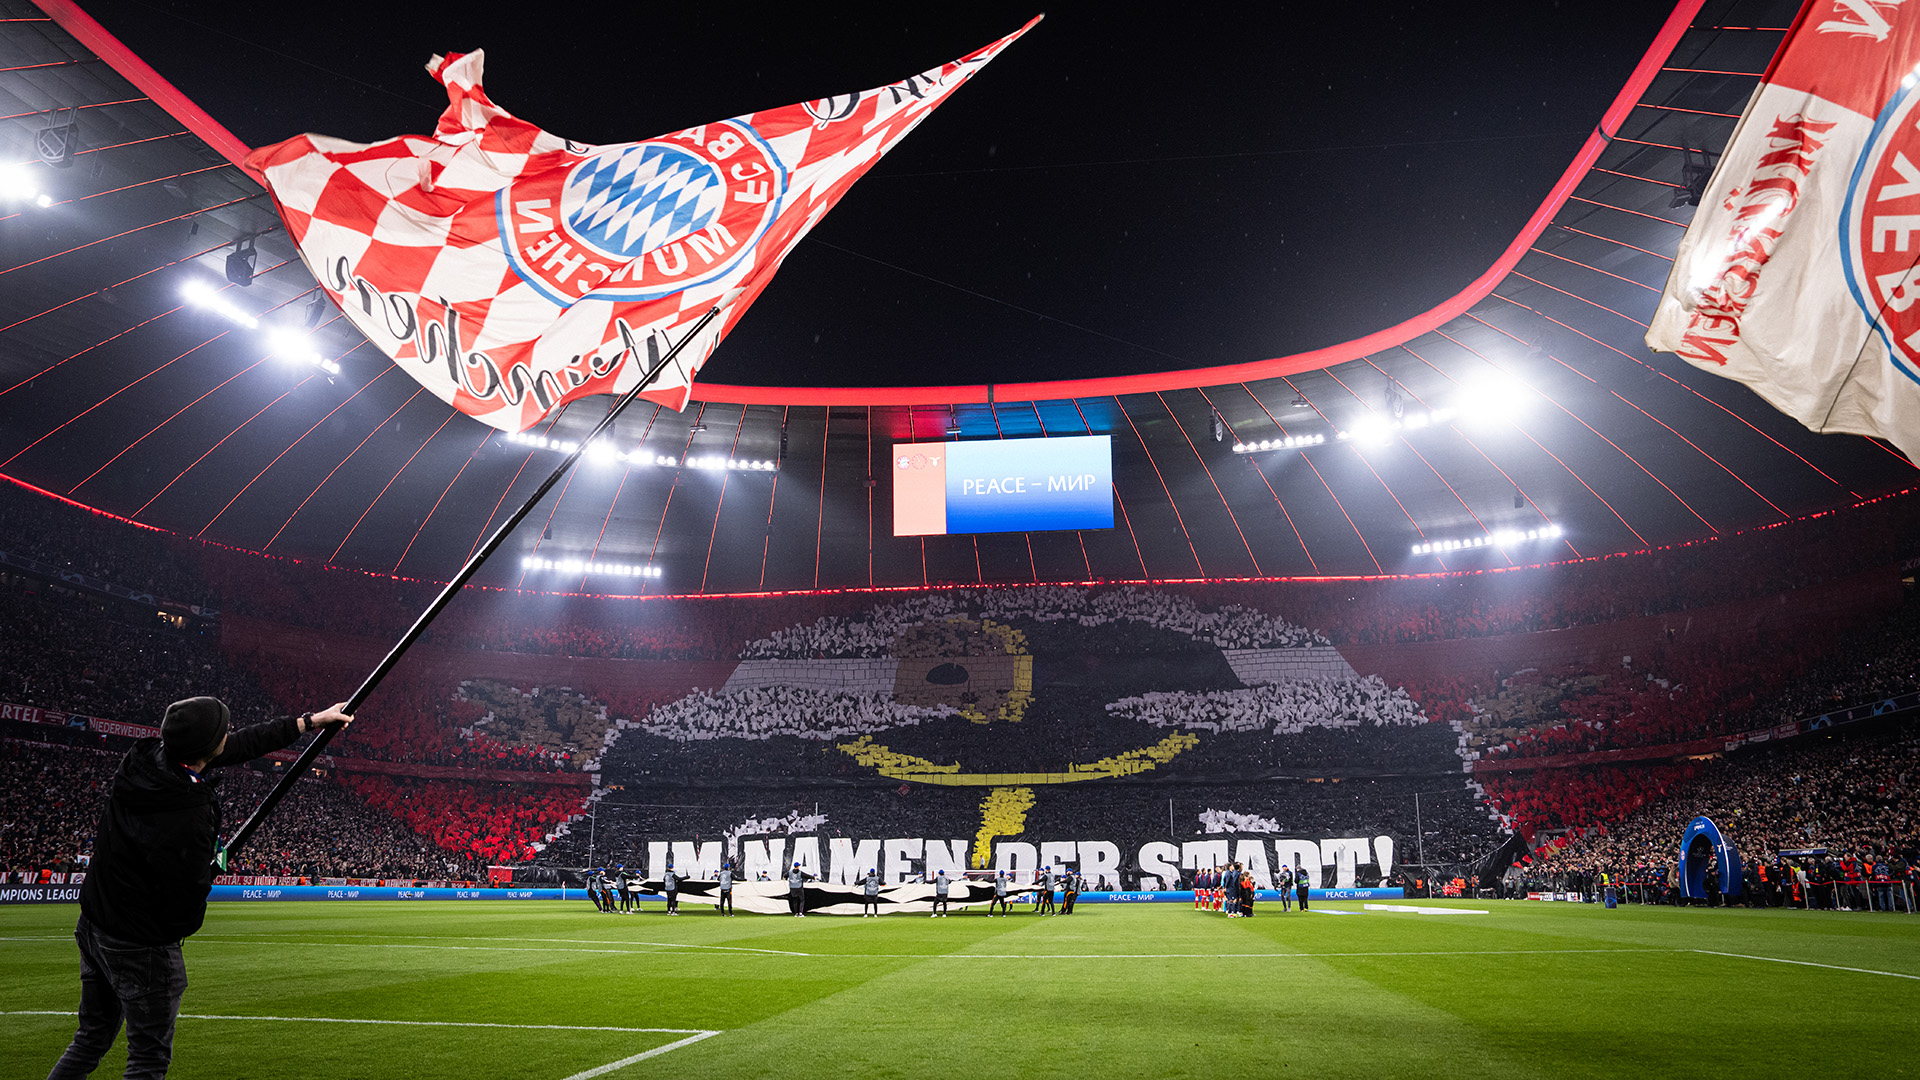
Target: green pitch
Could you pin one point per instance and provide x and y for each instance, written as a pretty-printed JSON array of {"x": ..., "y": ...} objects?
[{"x": 551, "y": 991}]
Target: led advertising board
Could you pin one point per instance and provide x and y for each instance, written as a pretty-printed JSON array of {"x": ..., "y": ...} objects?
[{"x": 1003, "y": 485}]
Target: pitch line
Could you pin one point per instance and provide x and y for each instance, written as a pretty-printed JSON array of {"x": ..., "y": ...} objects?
[
  {"x": 574, "y": 941},
  {"x": 693, "y": 1035},
  {"x": 702, "y": 1032},
  {"x": 947, "y": 956},
  {"x": 1220, "y": 955},
  {"x": 1808, "y": 963},
  {"x": 642, "y": 1056}
]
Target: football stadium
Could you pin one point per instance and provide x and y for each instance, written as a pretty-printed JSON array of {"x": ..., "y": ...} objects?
[{"x": 1328, "y": 541}]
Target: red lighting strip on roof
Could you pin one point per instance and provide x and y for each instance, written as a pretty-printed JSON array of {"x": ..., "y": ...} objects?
[
  {"x": 1251, "y": 557},
  {"x": 1595, "y": 269},
  {"x": 64, "y": 108},
  {"x": 1621, "y": 243},
  {"x": 1357, "y": 535},
  {"x": 1582, "y": 422},
  {"x": 1714, "y": 71},
  {"x": 124, "y": 187},
  {"x": 1177, "y": 517},
  {"x": 176, "y": 415},
  {"x": 773, "y": 497},
  {"x": 337, "y": 468},
  {"x": 1117, "y": 501},
  {"x": 1580, "y": 298},
  {"x": 1649, "y": 416},
  {"x": 98, "y": 41},
  {"x": 713, "y": 534},
  {"x": 49, "y": 64},
  {"x": 390, "y": 482},
  {"x": 1642, "y": 179},
  {"x": 1696, "y": 112},
  {"x": 222, "y": 442},
  {"x": 1484, "y": 456},
  {"x": 1678, "y": 546},
  {"x": 1078, "y": 534},
  {"x": 443, "y": 495},
  {"x": 552, "y": 422},
  {"x": 290, "y": 446},
  {"x": 1689, "y": 389},
  {"x": 83, "y": 296},
  {"x": 1635, "y": 213},
  {"x": 819, "y": 522},
  {"x": 128, "y": 232},
  {"x": 1262, "y": 474}
]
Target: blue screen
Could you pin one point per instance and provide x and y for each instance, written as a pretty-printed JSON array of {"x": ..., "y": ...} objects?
[{"x": 1030, "y": 485}]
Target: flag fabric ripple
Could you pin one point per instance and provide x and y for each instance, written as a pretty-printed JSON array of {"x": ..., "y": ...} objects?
[
  {"x": 510, "y": 270},
  {"x": 1800, "y": 271}
]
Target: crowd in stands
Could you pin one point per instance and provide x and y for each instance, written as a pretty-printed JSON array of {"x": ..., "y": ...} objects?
[
  {"x": 770, "y": 711},
  {"x": 70, "y": 649},
  {"x": 100, "y": 657},
  {"x": 1851, "y": 795},
  {"x": 496, "y": 822},
  {"x": 51, "y": 797},
  {"x": 1282, "y": 708},
  {"x": 1229, "y": 627},
  {"x": 1231, "y": 615},
  {"x": 78, "y": 540},
  {"x": 1727, "y": 686}
]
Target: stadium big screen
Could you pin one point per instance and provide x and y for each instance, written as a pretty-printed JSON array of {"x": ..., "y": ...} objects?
[{"x": 1004, "y": 485}]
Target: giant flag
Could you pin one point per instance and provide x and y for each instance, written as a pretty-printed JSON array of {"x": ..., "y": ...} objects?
[
  {"x": 1800, "y": 272},
  {"x": 510, "y": 270}
]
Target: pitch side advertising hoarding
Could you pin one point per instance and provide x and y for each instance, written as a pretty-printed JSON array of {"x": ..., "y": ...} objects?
[{"x": 1003, "y": 485}]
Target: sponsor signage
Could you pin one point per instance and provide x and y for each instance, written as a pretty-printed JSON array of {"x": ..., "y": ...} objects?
[
  {"x": 1003, "y": 485},
  {"x": 39, "y": 894},
  {"x": 368, "y": 892}
]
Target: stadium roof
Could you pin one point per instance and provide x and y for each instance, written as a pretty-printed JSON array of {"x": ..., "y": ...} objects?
[{"x": 1527, "y": 403}]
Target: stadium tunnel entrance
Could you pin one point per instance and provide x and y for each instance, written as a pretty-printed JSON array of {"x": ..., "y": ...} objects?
[{"x": 1704, "y": 850}]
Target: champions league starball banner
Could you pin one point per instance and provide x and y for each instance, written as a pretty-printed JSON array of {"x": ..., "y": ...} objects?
[
  {"x": 510, "y": 270},
  {"x": 1800, "y": 272}
]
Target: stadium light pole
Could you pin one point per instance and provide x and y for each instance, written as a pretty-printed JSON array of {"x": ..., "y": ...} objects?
[{"x": 373, "y": 679}]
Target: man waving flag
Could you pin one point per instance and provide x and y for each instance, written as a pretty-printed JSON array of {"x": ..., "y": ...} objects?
[
  {"x": 1800, "y": 273},
  {"x": 510, "y": 270}
]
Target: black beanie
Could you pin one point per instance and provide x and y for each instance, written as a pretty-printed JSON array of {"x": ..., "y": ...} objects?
[{"x": 193, "y": 728}]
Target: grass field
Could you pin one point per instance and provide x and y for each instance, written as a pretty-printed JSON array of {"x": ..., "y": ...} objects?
[{"x": 550, "y": 991}]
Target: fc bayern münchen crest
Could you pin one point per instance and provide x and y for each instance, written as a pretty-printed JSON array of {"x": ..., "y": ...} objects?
[
  {"x": 636, "y": 221},
  {"x": 1880, "y": 232}
]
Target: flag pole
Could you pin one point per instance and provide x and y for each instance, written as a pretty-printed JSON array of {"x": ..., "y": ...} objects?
[{"x": 452, "y": 589}]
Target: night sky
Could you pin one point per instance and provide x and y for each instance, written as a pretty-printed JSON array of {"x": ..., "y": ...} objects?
[{"x": 1124, "y": 190}]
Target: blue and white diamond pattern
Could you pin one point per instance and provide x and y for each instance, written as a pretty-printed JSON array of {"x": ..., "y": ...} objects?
[{"x": 634, "y": 200}]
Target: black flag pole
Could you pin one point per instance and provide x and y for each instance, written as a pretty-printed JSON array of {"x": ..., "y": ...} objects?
[{"x": 453, "y": 587}]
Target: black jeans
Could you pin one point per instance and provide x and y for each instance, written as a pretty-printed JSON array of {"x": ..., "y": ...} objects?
[{"x": 123, "y": 981}]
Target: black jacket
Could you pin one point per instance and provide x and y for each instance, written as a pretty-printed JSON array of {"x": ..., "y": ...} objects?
[{"x": 153, "y": 857}]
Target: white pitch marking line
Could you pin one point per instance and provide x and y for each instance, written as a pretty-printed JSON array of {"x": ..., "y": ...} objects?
[
  {"x": 577, "y": 941},
  {"x": 944, "y": 956},
  {"x": 442, "y": 948},
  {"x": 1808, "y": 963},
  {"x": 702, "y": 1032},
  {"x": 642, "y": 1056},
  {"x": 1413, "y": 910},
  {"x": 693, "y": 1035},
  {"x": 1220, "y": 955}
]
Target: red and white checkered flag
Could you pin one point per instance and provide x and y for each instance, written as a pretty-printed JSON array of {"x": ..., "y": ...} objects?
[{"x": 510, "y": 270}]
